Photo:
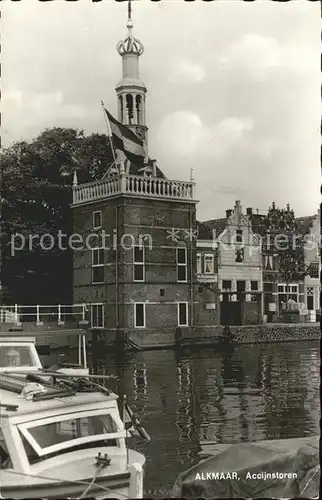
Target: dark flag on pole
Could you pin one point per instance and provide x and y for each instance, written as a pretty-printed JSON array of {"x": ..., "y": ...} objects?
[{"x": 124, "y": 139}]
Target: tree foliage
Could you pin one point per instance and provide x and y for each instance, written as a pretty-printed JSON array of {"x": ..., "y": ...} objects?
[
  {"x": 291, "y": 265},
  {"x": 36, "y": 192}
]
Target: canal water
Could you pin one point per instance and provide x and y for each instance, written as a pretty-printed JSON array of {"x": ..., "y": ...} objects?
[{"x": 259, "y": 391}]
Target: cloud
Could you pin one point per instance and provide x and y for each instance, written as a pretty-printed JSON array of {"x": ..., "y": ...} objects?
[
  {"x": 46, "y": 109},
  {"x": 52, "y": 106},
  {"x": 182, "y": 132},
  {"x": 258, "y": 55},
  {"x": 230, "y": 132},
  {"x": 186, "y": 136},
  {"x": 235, "y": 96},
  {"x": 183, "y": 71}
]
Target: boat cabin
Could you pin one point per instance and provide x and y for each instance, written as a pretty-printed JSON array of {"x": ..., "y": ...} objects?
[
  {"x": 18, "y": 353},
  {"x": 36, "y": 435},
  {"x": 44, "y": 422},
  {"x": 61, "y": 430}
]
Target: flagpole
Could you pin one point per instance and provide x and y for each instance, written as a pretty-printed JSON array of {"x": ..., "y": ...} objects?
[{"x": 108, "y": 128}]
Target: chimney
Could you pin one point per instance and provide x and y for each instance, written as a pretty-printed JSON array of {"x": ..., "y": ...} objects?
[
  {"x": 228, "y": 213},
  {"x": 238, "y": 207},
  {"x": 249, "y": 211}
]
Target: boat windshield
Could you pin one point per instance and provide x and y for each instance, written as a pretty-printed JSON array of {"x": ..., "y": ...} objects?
[
  {"x": 48, "y": 438},
  {"x": 14, "y": 356}
]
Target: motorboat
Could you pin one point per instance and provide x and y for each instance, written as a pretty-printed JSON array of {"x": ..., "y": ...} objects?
[
  {"x": 62, "y": 434},
  {"x": 285, "y": 468}
]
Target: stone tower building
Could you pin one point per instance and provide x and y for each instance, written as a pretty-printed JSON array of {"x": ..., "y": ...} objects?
[{"x": 137, "y": 275}]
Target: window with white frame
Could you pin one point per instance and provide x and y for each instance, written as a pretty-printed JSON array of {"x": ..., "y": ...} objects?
[
  {"x": 98, "y": 265},
  {"x": 199, "y": 263},
  {"x": 138, "y": 263},
  {"x": 57, "y": 435},
  {"x": 254, "y": 285},
  {"x": 182, "y": 313},
  {"x": 239, "y": 255},
  {"x": 226, "y": 285},
  {"x": 97, "y": 316},
  {"x": 139, "y": 315},
  {"x": 239, "y": 236},
  {"x": 314, "y": 270},
  {"x": 288, "y": 292},
  {"x": 181, "y": 264},
  {"x": 209, "y": 263},
  {"x": 97, "y": 219}
]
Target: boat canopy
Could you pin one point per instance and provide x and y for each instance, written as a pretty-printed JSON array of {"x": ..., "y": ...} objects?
[{"x": 266, "y": 469}]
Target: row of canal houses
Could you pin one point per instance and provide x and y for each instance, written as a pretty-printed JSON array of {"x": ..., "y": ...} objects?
[
  {"x": 245, "y": 263},
  {"x": 163, "y": 270}
]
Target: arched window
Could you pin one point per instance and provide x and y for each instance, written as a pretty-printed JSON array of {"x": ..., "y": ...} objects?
[
  {"x": 129, "y": 105},
  {"x": 121, "y": 110},
  {"x": 138, "y": 102}
]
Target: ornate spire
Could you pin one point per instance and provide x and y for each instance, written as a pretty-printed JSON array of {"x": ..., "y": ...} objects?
[
  {"x": 130, "y": 90},
  {"x": 130, "y": 45}
]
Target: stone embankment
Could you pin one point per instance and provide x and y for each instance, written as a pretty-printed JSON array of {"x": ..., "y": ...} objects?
[
  {"x": 66, "y": 336},
  {"x": 247, "y": 334},
  {"x": 275, "y": 332}
]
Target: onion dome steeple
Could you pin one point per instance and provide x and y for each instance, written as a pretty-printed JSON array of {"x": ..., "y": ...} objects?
[
  {"x": 130, "y": 45},
  {"x": 131, "y": 91}
]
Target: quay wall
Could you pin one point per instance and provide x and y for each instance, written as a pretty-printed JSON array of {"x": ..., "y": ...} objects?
[
  {"x": 274, "y": 332},
  {"x": 66, "y": 336},
  {"x": 170, "y": 337},
  {"x": 247, "y": 334}
]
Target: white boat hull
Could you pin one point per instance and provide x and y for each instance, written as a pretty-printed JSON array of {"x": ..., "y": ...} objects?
[{"x": 72, "y": 479}]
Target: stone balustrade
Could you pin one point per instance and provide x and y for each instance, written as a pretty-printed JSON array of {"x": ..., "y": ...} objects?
[{"x": 133, "y": 185}]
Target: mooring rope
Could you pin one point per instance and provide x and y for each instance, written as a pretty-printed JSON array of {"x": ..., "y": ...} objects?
[
  {"x": 75, "y": 481},
  {"x": 315, "y": 472},
  {"x": 99, "y": 468}
]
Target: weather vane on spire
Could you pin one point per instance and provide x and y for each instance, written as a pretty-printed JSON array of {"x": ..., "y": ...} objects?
[
  {"x": 130, "y": 45},
  {"x": 129, "y": 10}
]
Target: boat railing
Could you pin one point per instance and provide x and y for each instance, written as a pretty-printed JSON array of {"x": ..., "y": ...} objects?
[{"x": 39, "y": 314}]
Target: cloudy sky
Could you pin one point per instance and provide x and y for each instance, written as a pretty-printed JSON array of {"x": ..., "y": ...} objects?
[{"x": 233, "y": 88}]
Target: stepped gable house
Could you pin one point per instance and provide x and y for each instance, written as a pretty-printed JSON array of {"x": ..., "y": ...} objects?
[
  {"x": 239, "y": 262},
  {"x": 274, "y": 226},
  {"x": 143, "y": 283}
]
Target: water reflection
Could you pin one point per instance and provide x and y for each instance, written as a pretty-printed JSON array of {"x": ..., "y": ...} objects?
[{"x": 256, "y": 392}]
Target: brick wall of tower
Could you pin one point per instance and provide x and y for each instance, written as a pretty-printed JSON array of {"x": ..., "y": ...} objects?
[
  {"x": 160, "y": 291},
  {"x": 156, "y": 219}
]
